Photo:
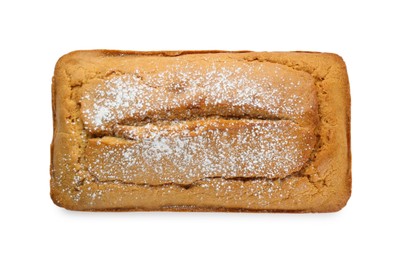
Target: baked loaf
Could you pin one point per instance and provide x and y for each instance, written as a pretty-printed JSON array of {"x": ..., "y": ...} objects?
[{"x": 201, "y": 131}]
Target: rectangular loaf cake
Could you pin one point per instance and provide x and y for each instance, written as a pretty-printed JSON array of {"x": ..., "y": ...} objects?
[{"x": 201, "y": 131}]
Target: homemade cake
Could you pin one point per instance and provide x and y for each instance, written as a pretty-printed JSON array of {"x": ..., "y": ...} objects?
[{"x": 201, "y": 131}]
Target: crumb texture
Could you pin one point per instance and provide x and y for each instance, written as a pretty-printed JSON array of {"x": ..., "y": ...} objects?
[{"x": 200, "y": 131}]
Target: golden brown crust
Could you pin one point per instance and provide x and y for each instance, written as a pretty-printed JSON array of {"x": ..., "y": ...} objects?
[{"x": 322, "y": 185}]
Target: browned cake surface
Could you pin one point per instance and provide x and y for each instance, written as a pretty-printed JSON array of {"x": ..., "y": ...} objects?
[{"x": 201, "y": 131}]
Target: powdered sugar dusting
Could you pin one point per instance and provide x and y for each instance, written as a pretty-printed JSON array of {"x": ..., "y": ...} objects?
[
  {"x": 180, "y": 91},
  {"x": 179, "y": 122},
  {"x": 184, "y": 153}
]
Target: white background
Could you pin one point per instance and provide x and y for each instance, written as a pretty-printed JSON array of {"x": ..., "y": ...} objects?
[{"x": 34, "y": 34}]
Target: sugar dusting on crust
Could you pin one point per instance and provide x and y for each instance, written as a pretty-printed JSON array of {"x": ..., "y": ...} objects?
[
  {"x": 134, "y": 106},
  {"x": 234, "y": 89},
  {"x": 208, "y": 148}
]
